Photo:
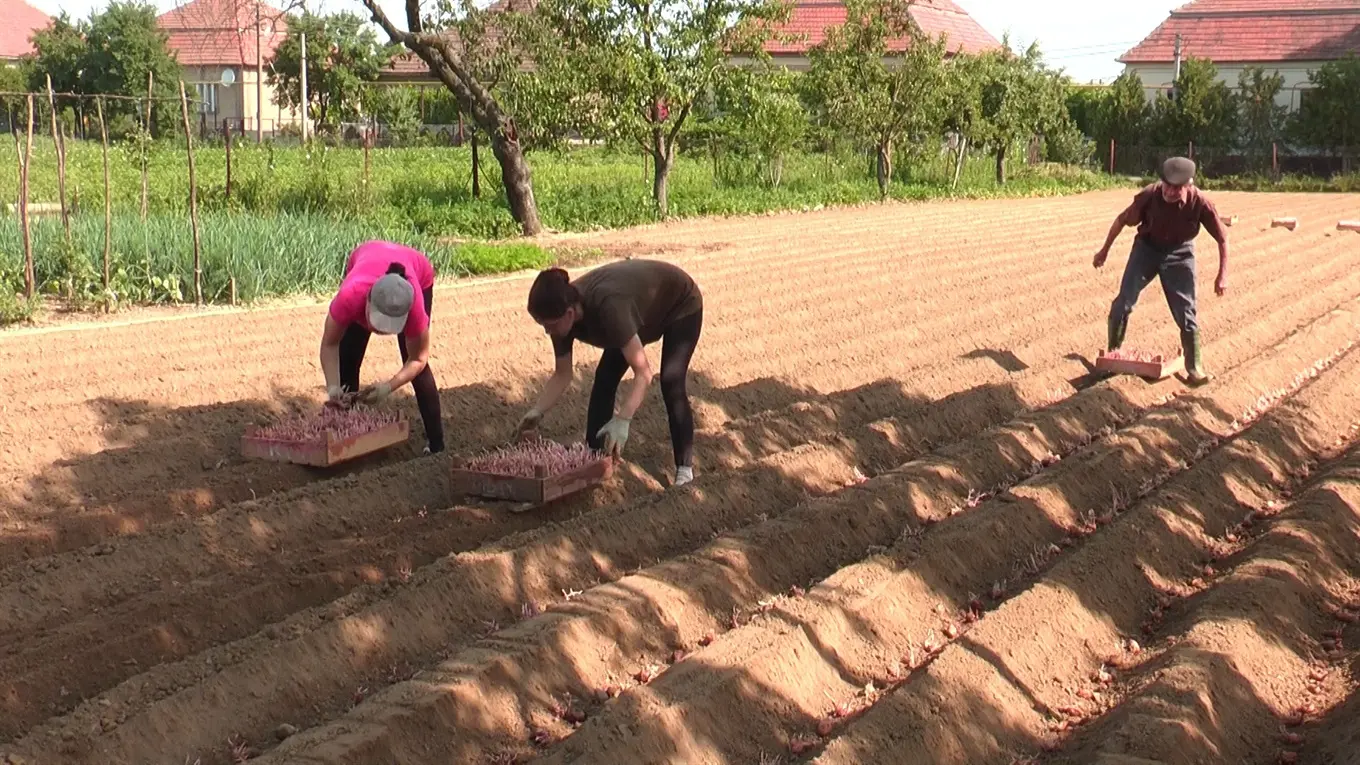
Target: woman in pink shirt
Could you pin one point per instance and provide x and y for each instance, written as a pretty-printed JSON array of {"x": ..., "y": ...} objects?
[{"x": 388, "y": 288}]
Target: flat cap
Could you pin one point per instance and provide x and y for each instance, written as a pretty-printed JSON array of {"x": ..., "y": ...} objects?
[{"x": 1178, "y": 171}]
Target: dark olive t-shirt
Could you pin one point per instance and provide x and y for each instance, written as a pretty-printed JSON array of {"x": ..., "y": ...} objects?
[
  {"x": 631, "y": 297},
  {"x": 1169, "y": 226}
]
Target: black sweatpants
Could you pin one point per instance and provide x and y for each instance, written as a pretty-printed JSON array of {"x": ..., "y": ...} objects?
[
  {"x": 352, "y": 348},
  {"x": 677, "y": 348},
  {"x": 1176, "y": 270}
]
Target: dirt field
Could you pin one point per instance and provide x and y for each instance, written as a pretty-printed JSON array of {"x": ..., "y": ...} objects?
[{"x": 1040, "y": 567}]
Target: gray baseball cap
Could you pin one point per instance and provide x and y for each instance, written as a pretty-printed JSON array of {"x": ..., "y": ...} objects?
[
  {"x": 1178, "y": 171},
  {"x": 389, "y": 303}
]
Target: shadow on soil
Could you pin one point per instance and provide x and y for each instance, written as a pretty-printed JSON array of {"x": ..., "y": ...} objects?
[
  {"x": 1335, "y": 739},
  {"x": 169, "y": 463},
  {"x": 1197, "y": 703},
  {"x": 759, "y": 722},
  {"x": 876, "y": 426}
]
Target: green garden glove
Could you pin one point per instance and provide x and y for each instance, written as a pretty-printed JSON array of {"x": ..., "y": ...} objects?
[
  {"x": 615, "y": 435},
  {"x": 376, "y": 394}
]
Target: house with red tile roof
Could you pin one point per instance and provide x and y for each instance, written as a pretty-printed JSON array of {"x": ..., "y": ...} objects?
[
  {"x": 224, "y": 47},
  {"x": 805, "y": 28},
  {"x": 807, "y": 25},
  {"x": 21, "y": 20},
  {"x": 1292, "y": 37}
]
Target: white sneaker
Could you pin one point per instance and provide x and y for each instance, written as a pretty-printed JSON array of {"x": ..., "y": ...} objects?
[{"x": 683, "y": 475}]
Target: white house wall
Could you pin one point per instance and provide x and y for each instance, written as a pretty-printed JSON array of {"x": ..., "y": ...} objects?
[{"x": 1158, "y": 78}]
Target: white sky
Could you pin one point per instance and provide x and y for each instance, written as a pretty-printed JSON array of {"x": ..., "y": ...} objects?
[{"x": 1081, "y": 36}]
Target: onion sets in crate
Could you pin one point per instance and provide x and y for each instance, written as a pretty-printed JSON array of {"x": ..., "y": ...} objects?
[
  {"x": 1146, "y": 357},
  {"x": 339, "y": 423},
  {"x": 533, "y": 457}
]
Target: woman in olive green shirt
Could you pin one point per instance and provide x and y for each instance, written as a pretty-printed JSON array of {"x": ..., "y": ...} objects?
[{"x": 622, "y": 307}]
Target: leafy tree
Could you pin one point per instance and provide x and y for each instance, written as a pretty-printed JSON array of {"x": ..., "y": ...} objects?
[
  {"x": 870, "y": 89},
  {"x": 343, "y": 56},
  {"x": 639, "y": 67},
  {"x": 12, "y": 108},
  {"x": 58, "y": 52},
  {"x": 111, "y": 53},
  {"x": 449, "y": 61},
  {"x": 1329, "y": 115},
  {"x": 1200, "y": 108},
  {"x": 1124, "y": 114},
  {"x": 759, "y": 115},
  {"x": 124, "y": 45},
  {"x": 1084, "y": 105},
  {"x": 1262, "y": 119},
  {"x": 1020, "y": 99}
]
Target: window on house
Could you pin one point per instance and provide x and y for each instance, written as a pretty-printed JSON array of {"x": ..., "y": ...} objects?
[
  {"x": 1305, "y": 95},
  {"x": 207, "y": 98}
]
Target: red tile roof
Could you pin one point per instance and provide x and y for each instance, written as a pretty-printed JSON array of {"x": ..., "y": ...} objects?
[
  {"x": 811, "y": 18},
  {"x": 222, "y": 32},
  {"x": 21, "y": 20},
  {"x": 1245, "y": 31}
]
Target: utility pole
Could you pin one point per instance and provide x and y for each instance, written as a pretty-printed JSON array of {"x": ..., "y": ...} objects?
[
  {"x": 1178, "y": 55},
  {"x": 259, "y": 76},
  {"x": 305, "y": 111}
]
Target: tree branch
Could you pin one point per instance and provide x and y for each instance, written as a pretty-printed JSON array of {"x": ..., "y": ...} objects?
[{"x": 435, "y": 51}]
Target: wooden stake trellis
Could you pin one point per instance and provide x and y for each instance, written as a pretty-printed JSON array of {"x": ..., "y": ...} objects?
[
  {"x": 150, "y": 82},
  {"x": 61, "y": 159},
  {"x": 108, "y": 201},
  {"x": 29, "y": 279},
  {"x": 193, "y": 195}
]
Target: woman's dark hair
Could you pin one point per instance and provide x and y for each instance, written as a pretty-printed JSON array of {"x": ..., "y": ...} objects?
[
  {"x": 396, "y": 268},
  {"x": 552, "y": 294}
]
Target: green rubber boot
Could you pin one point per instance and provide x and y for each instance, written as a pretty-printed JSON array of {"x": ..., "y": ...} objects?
[
  {"x": 1194, "y": 360},
  {"x": 1117, "y": 328}
]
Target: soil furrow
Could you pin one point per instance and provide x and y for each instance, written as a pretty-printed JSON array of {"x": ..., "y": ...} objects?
[
  {"x": 1044, "y": 660},
  {"x": 740, "y": 312},
  {"x": 920, "y": 281},
  {"x": 123, "y": 518},
  {"x": 1248, "y": 655},
  {"x": 417, "y": 484},
  {"x": 762, "y": 686},
  {"x": 259, "y": 516},
  {"x": 319, "y": 574},
  {"x": 671, "y": 606},
  {"x": 466, "y": 591}
]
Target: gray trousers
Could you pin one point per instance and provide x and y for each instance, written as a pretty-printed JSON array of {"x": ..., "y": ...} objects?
[{"x": 1177, "y": 272}]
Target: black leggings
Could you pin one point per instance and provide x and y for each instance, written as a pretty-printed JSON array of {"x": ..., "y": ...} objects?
[
  {"x": 677, "y": 348},
  {"x": 352, "y": 348}
]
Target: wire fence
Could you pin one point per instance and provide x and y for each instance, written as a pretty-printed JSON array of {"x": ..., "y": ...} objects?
[{"x": 1276, "y": 160}]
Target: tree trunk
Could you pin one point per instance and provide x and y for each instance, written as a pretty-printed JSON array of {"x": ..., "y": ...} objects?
[
  {"x": 663, "y": 156},
  {"x": 884, "y": 166},
  {"x": 517, "y": 179},
  {"x": 958, "y": 165},
  {"x": 475, "y": 100},
  {"x": 1001, "y": 166},
  {"x": 476, "y": 169}
]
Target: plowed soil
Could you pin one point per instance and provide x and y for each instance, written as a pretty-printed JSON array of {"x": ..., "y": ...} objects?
[{"x": 922, "y": 529}]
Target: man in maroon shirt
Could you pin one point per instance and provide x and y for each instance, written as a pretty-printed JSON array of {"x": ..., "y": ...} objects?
[{"x": 1168, "y": 215}]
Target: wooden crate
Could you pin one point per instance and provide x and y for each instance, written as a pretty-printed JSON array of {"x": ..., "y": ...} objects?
[
  {"x": 1146, "y": 369},
  {"x": 538, "y": 490},
  {"x": 1348, "y": 225},
  {"x": 332, "y": 451}
]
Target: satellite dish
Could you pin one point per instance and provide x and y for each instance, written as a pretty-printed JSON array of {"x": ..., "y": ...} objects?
[{"x": 228, "y": 76}]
